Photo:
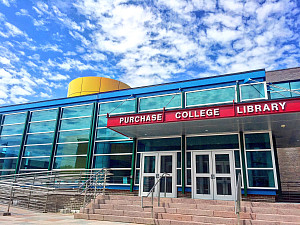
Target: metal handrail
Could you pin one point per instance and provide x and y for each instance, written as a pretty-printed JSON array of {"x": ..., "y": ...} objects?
[{"x": 238, "y": 198}]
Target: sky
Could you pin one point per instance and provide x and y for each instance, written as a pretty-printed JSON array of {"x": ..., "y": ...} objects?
[{"x": 46, "y": 44}]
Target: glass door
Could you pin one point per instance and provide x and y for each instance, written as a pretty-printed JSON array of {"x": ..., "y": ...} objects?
[
  {"x": 167, "y": 165},
  {"x": 213, "y": 175},
  {"x": 149, "y": 172}
]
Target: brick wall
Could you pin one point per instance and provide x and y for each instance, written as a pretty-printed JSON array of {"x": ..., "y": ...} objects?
[{"x": 283, "y": 75}]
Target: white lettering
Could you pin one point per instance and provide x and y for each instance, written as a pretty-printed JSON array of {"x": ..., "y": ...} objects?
[
  {"x": 137, "y": 119},
  {"x": 257, "y": 108},
  {"x": 178, "y": 115},
  {"x": 196, "y": 115},
  {"x": 250, "y": 108},
  {"x": 190, "y": 114},
  {"x": 148, "y": 119},
  {"x": 282, "y": 105},
  {"x": 266, "y": 108},
  {"x": 131, "y": 119},
  {"x": 217, "y": 112},
  {"x": 209, "y": 112},
  {"x": 159, "y": 117},
  {"x": 153, "y": 117},
  {"x": 121, "y": 120},
  {"x": 143, "y": 118},
  {"x": 238, "y": 110},
  {"x": 126, "y": 119},
  {"x": 185, "y": 115},
  {"x": 202, "y": 113},
  {"x": 274, "y": 106}
]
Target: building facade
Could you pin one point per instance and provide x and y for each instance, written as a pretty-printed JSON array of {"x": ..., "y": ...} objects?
[{"x": 201, "y": 132}]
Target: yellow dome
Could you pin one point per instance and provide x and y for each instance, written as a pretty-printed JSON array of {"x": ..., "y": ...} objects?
[{"x": 92, "y": 85}]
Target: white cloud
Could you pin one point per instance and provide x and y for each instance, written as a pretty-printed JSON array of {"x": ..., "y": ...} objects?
[
  {"x": 4, "y": 60},
  {"x": 13, "y": 30},
  {"x": 7, "y": 2},
  {"x": 95, "y": 56}
]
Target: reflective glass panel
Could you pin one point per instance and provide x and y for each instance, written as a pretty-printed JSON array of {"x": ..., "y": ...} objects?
[
  {"x": 188, "y": 177},
  {"x": 203, "y": 185},
  {"x": 14, "y": 118},
  {"x": 40, "y": 138},
  {"x": 35, "y": 163},
  {"x": 253, "y": 91},
  {"x": 188, "y": 160},
  {"x": 72, "y": 149},
  {"x": 280, "y": 94},
  {"x": 222, "y": 163},
  {"x": 9, "y": 151},
  {"x": 210, "y": 96},
  {"x": 117, "y": 107},
  {"x": 113, "y": 147},
  {"x": 119, "y": 177},
  {"x": 77, "y": 111},
  {"x": 73, "y": 162},
  {"x": 259, "y": 159},
  {"x": 10, "y": 140},
  {"x": 223, "y": 185},
  {"x": 6, "y": 172},
  {"x": 237, "y": 172},
  {"x": 158, "y": 102},
  {"x": 137, "y": 177},
  {"x": 163, "y": 144},
  {"x": 257, "y": 141},
  {"x": 213, "y": 142},
  {"x": 261, "y": 178},
  {"x": 108, "y": 134},
  {"x": 168, "y": 181},
  {"x": 149, "y": 164},
  {"x": 38, "y": 150},
  {"x": 8, "y": 163},
  {"x": 237, "y": 159},
  {"x": 295, "y": 85},
  {"x": 148, "y": 183},
  {"x": 102, "y": 121},
  {"x": 166, "y": 164},
  {"x": 202, "y": 164},
  {"x": 44, "y": 115},
  {"x": 78, "y": 123},
  {"x": 12, "y": 129},
  {"x": 112, "y": 161},
  {"x": 138, "y": 160},
  {"x": 178, "y": 177},
  {"x": 178, "y": 159},
  {"x": 73, "y": 136},
  {"x": 42, "y": 127}
]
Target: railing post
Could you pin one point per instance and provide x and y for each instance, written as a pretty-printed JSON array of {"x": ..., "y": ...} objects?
[
  {"x": 7, "y": 213},
  {"x": 30, "y": 191},
  {"x": 158, "y": 197},
  {"x": 165, "y": 185},
  {"x": 152, "y": 204}
]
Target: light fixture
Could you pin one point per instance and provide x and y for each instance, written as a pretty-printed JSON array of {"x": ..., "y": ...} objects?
[
  {"x": 282, "y": 126},
  {"x": 206, "y": 130}
]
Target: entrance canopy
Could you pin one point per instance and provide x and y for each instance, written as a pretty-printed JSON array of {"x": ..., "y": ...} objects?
[{"x": 282, "y": 117}]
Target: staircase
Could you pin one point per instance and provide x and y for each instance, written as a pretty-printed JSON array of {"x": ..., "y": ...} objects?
[{"x": 181, "y": 211}]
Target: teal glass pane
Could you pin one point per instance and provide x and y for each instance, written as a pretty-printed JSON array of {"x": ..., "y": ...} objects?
[
  {"x": 37, "y": 150},
  {"x": 188, "y": 160},
  {"x": 163, "y": 144},
  {"x": 10, "y": 140},
  {"x": 35, "y": 163},
  {"x": 102, "y": 121},
  {"x": 112, "y": 161},
  {"x": 138, "y": 160},
  {"x": 42, "y": 127},
  {"x": 72, "y": 162},
  {"x": 285, "y": 85},
  {"x": 9, "y": 152},
  {"x": 7, "y": 172},
  {"x": 178, "y": 177},
  {"x": 6, "y": 164},
  {"x": 259, "y": 159},
  {"x": 117, "y": 107},
  {"x": 295, "y": 85},
  {"x": 113, "y": 147},
  {"x": 257, "y": 141},
  {"x": 74, "y": 136},
  {"x": 119, "y": 177},
  {"x": 72, "y": 149},
  {"x": 44, "y": 115},
  {"x": 237, "y": 159},
  {"x": 178, "y": 159},
  {"x": 254, "y": 91},
  {"x": 14, "y": 118},
  {"x": 280, "y": 94},
  {"x": 155, "y": 103},
  {"x": 39, "y": 138},
  {"x": 12, "y": 129},
  {"x": 77, "y": 111},
  {"x": 213, "y": 142},
  {"x": 188, "y": 177},
  {"x": 78, "y": 123},
  {"x": 108, "y": 134},
  {"x": 210, "y": 96},
  {"x": 261, "y": 178}
]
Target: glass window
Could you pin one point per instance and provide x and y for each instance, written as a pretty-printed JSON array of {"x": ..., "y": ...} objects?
[
  {"x": 108, "y": 134},
  {"x": 9, "y": 151},
  {"x": 285, "y": 85},
  {"x": 10, "y": 140},
  {"x": 77, "y": 111},
  {"x": 72, "y": 162},
  {"x": 102, "y": 121},
  {"x": 113, "y": 147},
  {"x": 237, "y": 159},
  {"x": 6, "y": 164},
  {"x": 6, "y": 172},
  {"x": 158, "y": 102},
  {"x": 178, "y": 159},
  {"x": 280, "y": 94},
  {"x": 38, "y": 150},
  {"x": 257, "y": 141},
  {"x": 40, "y": 138},
  {"x": 44, "y": 115},
  {"x": 178, "y": 177},
  {"x": 112, "y": 161},
  {"x": 78, "y": 123},
  {"x": 163, "y": 144},
  {"x": 188, "y": 177},
  {"x": 261, "y": 178},
  {"x": 259, "y": 159},
  {"x": 188, "y": 160},
  {"x": 35, "y": 163},
  {"x": 14, "y": 118},
  {"x": 213, "y": 142},
  {"x": 12, "y": 129},
  {"x": 42, "y": 127},
  {"x": 73, "y": 136},
  {"x": 72, "y": 149},
  {"x": 119, "y": 177},
  {"x": 253, "y": 91},
  {"x": 212, "y": 96},
  {"x": 295, "y": 85},
  {"x": 117, "y": 107}
]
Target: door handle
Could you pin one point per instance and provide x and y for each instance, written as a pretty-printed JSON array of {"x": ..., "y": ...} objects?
[{"x": 212, "y": 176}]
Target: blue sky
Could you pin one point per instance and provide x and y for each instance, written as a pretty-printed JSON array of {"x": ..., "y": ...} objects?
[{"x": 46, "y": 44}]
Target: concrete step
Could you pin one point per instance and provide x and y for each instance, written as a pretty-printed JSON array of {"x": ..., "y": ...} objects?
[
  {"x": 272, "y": 210},
  {"x": 278, "y": 218},
  {"x": 275, "y": 205},
  {"x": 175, "y": 222}
]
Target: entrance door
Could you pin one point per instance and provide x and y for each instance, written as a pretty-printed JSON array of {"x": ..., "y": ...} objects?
[
  {"x": 153, "y": 167},
  {"x": 213, "y": 175}
]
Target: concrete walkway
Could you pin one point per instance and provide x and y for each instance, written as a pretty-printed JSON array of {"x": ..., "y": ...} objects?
[{"x": 25, "y": 217}]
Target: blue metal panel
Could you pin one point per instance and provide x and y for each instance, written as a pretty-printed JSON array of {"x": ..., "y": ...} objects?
[
  {"x": 118, "y": 187},
  {"x": 260, "y": 192}
]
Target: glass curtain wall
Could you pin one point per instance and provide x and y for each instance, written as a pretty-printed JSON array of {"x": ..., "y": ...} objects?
[
  {"x": 11, "y": 131},
  {"x": 254, "y": 91},
  {"x": 113, "y": 150},
  {"x": 73, "y": 137},
  {"x": 276, "y": 93},
  {"x": 158, "y": 102},
  {"x": 39, "y": 139}
]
